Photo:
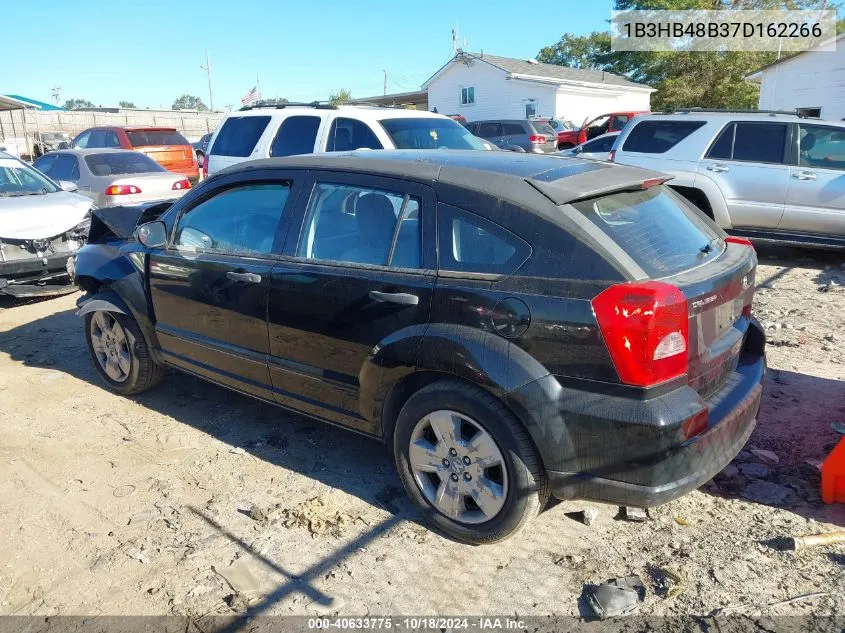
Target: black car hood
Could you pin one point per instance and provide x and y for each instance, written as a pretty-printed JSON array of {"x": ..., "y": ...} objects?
[{"x": 121, "y": 221}]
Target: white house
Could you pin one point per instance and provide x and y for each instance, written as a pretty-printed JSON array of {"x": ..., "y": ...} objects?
[
  {"x": 812, "y": 82},
  {"x": 481, "y": 86}
]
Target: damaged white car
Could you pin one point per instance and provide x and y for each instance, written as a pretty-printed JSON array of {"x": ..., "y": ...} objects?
[{"x": 42, "y": 225}]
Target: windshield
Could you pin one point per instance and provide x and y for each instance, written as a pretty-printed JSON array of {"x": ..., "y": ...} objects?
[
  {"x": 430, "y": 133},
  {"x": 121, "y": 163},
  {"x": 655, "y": 228},
  {"x": 18, "y": 179}
]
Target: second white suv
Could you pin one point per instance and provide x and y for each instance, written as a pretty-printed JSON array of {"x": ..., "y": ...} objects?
[
  {"x": 288, "y": 129},
  {"x": 765, "y": 175}
]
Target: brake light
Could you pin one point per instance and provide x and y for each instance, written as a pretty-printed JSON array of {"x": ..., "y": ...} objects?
[
  {"x": 537, "y": 139},
  {"x": 181, "y": 184},
  {"x": 122, "y": 190},
  {"x": 646, "y": 329},
  {"x": 648, "y": 183},
  {"x": 611, "y": 156},
  {"x": 743, "y": 241},
  {"x": 205, "y": 167}
]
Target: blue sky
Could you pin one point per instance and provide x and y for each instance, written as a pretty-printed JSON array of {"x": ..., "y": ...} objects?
[{"x": 150, "y": 51}]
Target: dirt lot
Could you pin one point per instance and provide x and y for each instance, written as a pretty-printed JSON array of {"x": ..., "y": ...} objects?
[{"x": 171, "y": 502}]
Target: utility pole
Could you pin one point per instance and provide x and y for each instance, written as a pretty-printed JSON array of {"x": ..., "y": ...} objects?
[
  {"x": 207, "y": 69},
  {"x": 385, "y": 81}
]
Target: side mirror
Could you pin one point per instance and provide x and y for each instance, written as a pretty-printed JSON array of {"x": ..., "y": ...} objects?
[
  {"x": 152, "y": 234},
  {"x": 67, "y": 185}
]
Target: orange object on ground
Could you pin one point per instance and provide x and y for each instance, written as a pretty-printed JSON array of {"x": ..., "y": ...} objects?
[{"x": 833, "y": 475}]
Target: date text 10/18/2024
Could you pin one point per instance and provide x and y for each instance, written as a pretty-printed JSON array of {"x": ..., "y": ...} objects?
[{"x": 417, "y": 623}]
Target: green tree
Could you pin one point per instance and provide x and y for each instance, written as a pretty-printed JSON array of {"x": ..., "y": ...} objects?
[
  {"x": 75, "y": 104},
  {"x": 682, "y": 79},
  {"x": 126, "y": 104},
  {"x": 339, "y": 96},
  {"x": 189, "y": 102}
]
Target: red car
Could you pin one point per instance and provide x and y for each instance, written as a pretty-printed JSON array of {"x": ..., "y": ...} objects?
[
  {"x": 163, "y": 144},
  {"x": 603, "y": 124}
]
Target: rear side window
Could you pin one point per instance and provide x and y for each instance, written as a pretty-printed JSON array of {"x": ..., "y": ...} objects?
[
  {"x": 469, "y": 243},
  {"x": 349, "y": 134},
  {"x": 655, "y": 228},
  {"x": 239, "y": 135},
  {"x": 147, "y": 138},
  {"x": 657, "y": 137},
  {"x": 512, "y": 129},
  {"x": 724, "y": 145},
  {"x": 760, "y": 142},
  {"x": 65, "y": 168},
  {"x": 488, "y": 130},
  {"x": 296, "y": 135}
]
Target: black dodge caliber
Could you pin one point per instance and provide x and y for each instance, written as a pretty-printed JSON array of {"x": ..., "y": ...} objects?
[{"x": 511, "y": 326}]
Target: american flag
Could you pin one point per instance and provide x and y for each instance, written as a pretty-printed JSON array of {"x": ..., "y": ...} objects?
[{"x": 251, "y": 97}]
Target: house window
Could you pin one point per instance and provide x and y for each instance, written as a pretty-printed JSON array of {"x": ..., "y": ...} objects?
[
  {"x": 467, "y": 95},
  {"x": 530, "y": 108}
]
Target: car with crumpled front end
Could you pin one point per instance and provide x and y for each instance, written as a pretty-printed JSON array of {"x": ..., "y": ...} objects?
[
  {"x": 511, "y": 326},
  {"x": 42, "y": 225}
]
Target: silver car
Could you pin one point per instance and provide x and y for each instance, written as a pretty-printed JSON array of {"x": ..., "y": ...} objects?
[
  {"x": 41, "y": 227},
  {"x": 113, "y": 177},
  {"x": 765, "y": 175},
  {"x": 594, "y": 149}
]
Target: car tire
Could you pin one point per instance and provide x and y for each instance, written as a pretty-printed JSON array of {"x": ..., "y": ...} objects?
[
  {"x": 138, "y": 371},
  {"x": 518, "y": 475}
]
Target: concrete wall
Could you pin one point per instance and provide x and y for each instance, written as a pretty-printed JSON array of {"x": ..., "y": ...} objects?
[
  {"x": 811, "y": 80},
  {"x": 19, "y": 123},
  {"x": 497, "y": 97}
]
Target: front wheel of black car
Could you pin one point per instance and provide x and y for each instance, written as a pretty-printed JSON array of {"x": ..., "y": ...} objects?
[
  {"x": 468, "y": 463},
  {"x": 120, "y": 353}
]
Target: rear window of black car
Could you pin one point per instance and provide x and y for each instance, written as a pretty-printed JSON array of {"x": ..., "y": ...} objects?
[
  {"x": 145, "y": 138},
  {"x": 655, "y": 228},
  {"x": 239, "y": 135},
  {"x": 121, "y": 163},
  {"x": 657, "y": 137}
]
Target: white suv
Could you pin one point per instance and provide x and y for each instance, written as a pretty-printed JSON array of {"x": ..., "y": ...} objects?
[
  {"x": 288, "y": 129},
  {"x": 766, "y": 175}
]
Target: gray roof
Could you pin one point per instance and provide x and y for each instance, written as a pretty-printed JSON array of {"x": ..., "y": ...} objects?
[{"x": 553, "y": 71}]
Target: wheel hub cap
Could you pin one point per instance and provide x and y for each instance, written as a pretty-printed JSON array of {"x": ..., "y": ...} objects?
[
  {"x": 110, "y": 345},
  {"x": 458, "y": 467}
]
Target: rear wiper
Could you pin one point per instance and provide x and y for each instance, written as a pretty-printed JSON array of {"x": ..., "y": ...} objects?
[{"x": 706, "y": 248}]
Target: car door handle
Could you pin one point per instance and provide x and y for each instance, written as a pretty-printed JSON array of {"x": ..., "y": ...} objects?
[
  {"x": 402, "y": 298},
  {"x": 718, "y": 168},
  {"x": 250, "y": 278},
  {"x": 804, "y": 175}
]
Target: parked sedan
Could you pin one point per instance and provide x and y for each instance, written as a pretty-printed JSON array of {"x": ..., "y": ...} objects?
[
  {"x": 41, "y": 226},
  {"x": 600, "y": 346},
  {"x": 597, "y": 149},
  {"x": 112, "y": 177},
  {"x": 164, "y": 145}
]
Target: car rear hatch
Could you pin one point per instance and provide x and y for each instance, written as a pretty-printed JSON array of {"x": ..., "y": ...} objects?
[
  {"x": 165, "y": 146},
  {"x": 542, "y": 128},
  {"x": 651, "y": 234}
]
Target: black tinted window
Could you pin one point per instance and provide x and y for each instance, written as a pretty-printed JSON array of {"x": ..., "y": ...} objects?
[
  {"x": 658, "y": 231},
  {"x": 512, "y": 129},
  {"x": 489, "y": 130},
  {"x": 97, "y": 138},
  {"x": 469, "y": 243},
  {"x": 656, "y": 137},
  {"x": 121, "y": 163},
  {"x": 239, "y": 135},
  {"x": 65, "y": 168},
  {"x": 760, "y": 142},
  {"x": 349, "y": 134},
  {"x": 723, "y": 147},
  {"x": 146, "y": 138},
  {"x": 296, "y": 135},
  {"x": 602, "y": 144},
  {"x": 238, "y": 220}
]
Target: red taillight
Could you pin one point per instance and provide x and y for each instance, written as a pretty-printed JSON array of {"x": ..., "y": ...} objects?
[
  {"x": 646, "y": 329},
  {"x": 205, "y": 167},
  {"x": 537, "y": 139},
  {"x": 611, "y": 157},
  {"x": 122, "y": 190},
  {"x": 743, "y": 241},
  {"x": 182, "y": 184}
]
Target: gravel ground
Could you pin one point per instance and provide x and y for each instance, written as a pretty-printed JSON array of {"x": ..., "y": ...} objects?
[{"x": 195, "y": 500}]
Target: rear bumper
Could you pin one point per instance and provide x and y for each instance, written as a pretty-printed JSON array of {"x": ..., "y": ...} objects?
[
  {"x": 631, "y": 452},
  {"x": 191, "y": 173}
]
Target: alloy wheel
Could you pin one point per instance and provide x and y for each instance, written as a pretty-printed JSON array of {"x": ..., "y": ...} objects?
[
  {"x": 111, "y": 346},
  {"x": 458, "y": 467}
]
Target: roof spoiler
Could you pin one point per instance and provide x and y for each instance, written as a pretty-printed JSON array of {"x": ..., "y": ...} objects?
[{"x": 601, "y": 180}]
